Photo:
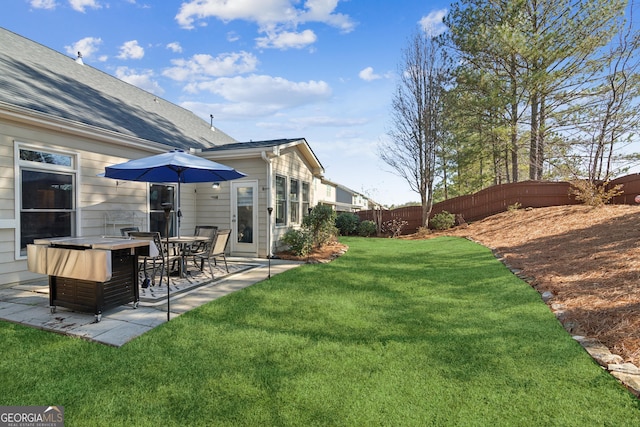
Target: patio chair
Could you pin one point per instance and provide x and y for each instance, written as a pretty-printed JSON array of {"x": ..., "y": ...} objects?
[
  {"x": 126, "y": 230},
  {"x": 203, "y": 231},
  {"x": 215, "y": 249},
  {"x": 157, "y": 260}
]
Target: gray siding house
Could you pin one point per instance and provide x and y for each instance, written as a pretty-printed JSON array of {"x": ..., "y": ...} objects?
[{"x": 62, "y": 122}]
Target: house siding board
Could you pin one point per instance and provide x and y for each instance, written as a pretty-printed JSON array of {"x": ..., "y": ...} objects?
[{"x": 292, "y": 165}]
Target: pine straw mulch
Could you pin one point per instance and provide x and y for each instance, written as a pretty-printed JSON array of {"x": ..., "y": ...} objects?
[
  {"x": 589, "y": 258},
  {"x": 322, "y": 254}
]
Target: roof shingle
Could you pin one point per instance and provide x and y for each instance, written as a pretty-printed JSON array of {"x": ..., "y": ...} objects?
[{"x": 35, "y": 77}]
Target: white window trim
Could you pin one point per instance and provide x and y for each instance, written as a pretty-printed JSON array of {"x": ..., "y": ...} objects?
[{"x": 17, "y": 167}]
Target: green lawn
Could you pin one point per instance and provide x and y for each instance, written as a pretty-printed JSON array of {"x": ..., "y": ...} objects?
[{"x": 393, "y": 333}]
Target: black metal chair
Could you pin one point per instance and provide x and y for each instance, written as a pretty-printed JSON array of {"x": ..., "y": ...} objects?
[
  {"x": 155, "y": 260},
  {"x": 203, "y": 231},
  {"x": 126, "y": 230}
]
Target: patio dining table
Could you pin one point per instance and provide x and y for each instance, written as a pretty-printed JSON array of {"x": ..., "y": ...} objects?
[{"x": 182, "y": 244}]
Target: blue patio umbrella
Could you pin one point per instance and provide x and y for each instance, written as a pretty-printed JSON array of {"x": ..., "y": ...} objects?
[{"x": 174, "y": 166}]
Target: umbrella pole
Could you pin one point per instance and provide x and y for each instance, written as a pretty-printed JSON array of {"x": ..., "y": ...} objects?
[
  {"x": 167, "y": 213},
  {"x": 178, "y": 211}
]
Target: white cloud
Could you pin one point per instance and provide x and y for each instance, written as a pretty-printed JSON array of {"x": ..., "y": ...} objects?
[
  {"x": 81, "y": 5},
  {"x": 268, "y": 89},
  {"x": 175, "y": 47},
  {"x": 265, "y": 92},
  {"x": 143, "y": 80},
  {"x": 43, "y": 4},
  {"x": 328, "y": 121},
  {"x": 432, "y": 23},
  {"x": 287, "y": 39},
  {"x": 259, "y": 11},
  {"x": 87, "y": 46},
  {"x": 131, "y": 50},
  {"x": 202, "y": 66},
  {"x": 232, "y": 36},
  {"x": 322, "y": 11},
  {"x": 278, "y": 19},
  {"x": 368, "y": 75}
]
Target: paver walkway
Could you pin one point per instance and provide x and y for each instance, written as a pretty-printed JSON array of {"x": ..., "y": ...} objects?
[{"x": 28, "y": 303}]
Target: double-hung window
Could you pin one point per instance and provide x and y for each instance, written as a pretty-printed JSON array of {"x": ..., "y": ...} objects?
[
  {"x": 47, "y": 194},
  {"x": 294, "y": 200},
  {"x": 281, "y": 200},
  {"x": 306, "y": 199}
]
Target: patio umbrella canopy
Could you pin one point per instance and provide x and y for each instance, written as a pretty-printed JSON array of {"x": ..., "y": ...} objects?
[{"x": 174, "y": 166}]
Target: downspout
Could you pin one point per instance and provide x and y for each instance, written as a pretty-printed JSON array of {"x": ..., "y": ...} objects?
[{"x": 266, "y": 158}]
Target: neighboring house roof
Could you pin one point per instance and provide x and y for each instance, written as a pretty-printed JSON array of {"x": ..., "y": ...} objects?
[
  {"x": 41, "y": 80},
  {"x": 342, "y": 187},
  {"x": 349, "y": 191}
]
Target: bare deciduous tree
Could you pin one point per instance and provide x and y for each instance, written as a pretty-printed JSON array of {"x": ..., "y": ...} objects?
[{"x": 417, "y": 117}]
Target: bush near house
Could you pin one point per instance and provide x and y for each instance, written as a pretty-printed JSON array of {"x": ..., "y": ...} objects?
[
  {"x": 318, "y": 229},
  {"x": 299, "y": 242},
  {"x": 321, "y": 223}
]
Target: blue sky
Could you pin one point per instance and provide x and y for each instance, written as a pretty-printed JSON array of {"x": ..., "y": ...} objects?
[{"x": 324, "y": 70}]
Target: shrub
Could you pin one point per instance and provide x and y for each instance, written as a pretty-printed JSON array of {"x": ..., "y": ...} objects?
[
  {"x": 298, "y": 241},
  {"x": 367, "y": 228},
  {"x": 422, "y": 232},
  {"x": 442, "y": 221},
  {"x": 393, "y": 227},
  {"x": 592, "y": 193},
  {"x": 321, "y": 224},
  {"x": 347, "y": 223},
  {"x": 514, "y": 207}
]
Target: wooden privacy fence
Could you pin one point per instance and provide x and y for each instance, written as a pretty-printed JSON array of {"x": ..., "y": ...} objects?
[{"x": 496, "y": 199}]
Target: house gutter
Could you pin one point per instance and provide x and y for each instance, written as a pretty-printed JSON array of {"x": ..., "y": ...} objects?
[
  {"x": 269, "y": 172},
  {"x": 267, "y": 159}
]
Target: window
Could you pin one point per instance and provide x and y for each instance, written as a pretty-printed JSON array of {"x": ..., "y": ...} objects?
[
  {"x": 47, "y": 195},
  {"x": 306, "y": 200},
  {"x": 294, "y": 200},
  {"x": 281, "y": 200}
]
